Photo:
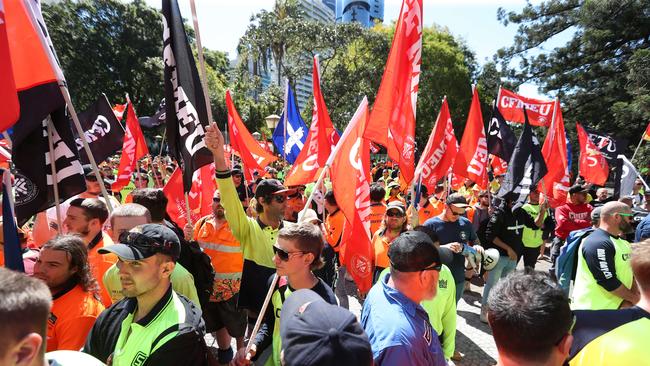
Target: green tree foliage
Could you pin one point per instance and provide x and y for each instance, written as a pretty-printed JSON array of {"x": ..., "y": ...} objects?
[{"x": 600, "y": 74}]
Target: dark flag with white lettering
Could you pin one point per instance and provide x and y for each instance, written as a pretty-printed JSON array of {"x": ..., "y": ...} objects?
[
  {"x": 610, "y": 146},
  {"x": 500, "y": 139},
  {"x": 102, "y": 130},
  {"x": 186, "y": 112},
  {"x": 525, "y": 169},
  {"x": 33, "y": 182}
]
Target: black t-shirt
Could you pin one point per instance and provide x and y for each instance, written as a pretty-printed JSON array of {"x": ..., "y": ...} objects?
[{"x": 508, "y": 226}]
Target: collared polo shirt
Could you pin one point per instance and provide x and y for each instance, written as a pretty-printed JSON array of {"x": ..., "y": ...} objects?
[{"x": 398, "y": 329}]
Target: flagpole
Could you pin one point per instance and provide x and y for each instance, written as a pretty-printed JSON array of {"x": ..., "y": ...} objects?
[
  {"x": 265, "y": 305},
  {"x": 68, "y": 100},
  {"x": 187, "y": 209},
  {"x": 637, "y": 147},
  {"x": 284, "y": 133},
  {"x": 55, "y": 182},
  {"x": 162, "y": 142},
  {"x": 204, "y": 78}
]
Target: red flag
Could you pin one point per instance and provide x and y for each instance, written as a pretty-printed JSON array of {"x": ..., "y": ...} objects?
[
  {"x": 134, "y": 148},
  {"x": 8, "y": 95},
  {"x": 352, "y": 162},
  {"x": 646, "y": 134},
  {"x": 555, "y": 183},
  {"x": 440, "y": 152},
  {"x": 593, "y": 164},
  {"x": 511, "y": 105},
  {"x": 472, "y": 158},
  {"x": 320, "y": 139},
  {"x": 253, "y": 156},
  {"x": 392, "y": 121},
  {"x": 499, "y": 166},
  {"x": 200, "y": 196},
  {"x": 118, "y": 110}
]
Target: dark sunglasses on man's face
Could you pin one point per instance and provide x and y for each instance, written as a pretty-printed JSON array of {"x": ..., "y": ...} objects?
[
  {"x": 394, "y": 214},
  {"x": 216, "y": 199},
  {"x": 279, "y": 198},
  {"x": 284, "y": 255}
]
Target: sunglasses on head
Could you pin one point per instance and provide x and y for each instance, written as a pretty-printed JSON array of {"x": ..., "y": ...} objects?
[
  {"x": 283, "y": 254},
  {"x": 395, "y": 213}
]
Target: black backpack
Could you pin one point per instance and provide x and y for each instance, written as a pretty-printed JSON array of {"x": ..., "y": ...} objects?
[{"x": 197, "y": 263}]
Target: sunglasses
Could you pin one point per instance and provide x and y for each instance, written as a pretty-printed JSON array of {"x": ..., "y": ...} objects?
[
  {"x": 284, "y": 255},
  {"x": 625, "y": 214},
  {"x": 279, "y": 198},
  {"x": 457, "y": 213},
  {"x": 394, "y": 214},
  {"x": 216, "y": 199}
]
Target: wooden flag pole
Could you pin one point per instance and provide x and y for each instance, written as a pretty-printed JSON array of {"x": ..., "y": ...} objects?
[
  {"x": 55, "y": 183},
  {"x": 260, "y": 317},
  {"x": 49, "y": 51},
  {"x": 637, "y": 147},
  {"x": 204, "y": 77}
]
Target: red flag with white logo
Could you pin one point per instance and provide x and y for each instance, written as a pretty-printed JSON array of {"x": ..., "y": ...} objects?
[
  {"x": 499, "y": 166},
  {"x": 556, "y": 182},
  {"x": 392, "y": 121},
  {"x": 440, "y": 152},
  {"x": 200, "y": 195},
  {"x": 472, "y": 158},
  {"x": 134, "y": 148},
  {"x": 8, "y": 94},
  {"x": 511, "y": 105},
  {"x": 321, "y": 138},
  {"x": 593, "y": 164},
  {"x": 252, "y": 154},
  {"x": 351, "y": 186}
]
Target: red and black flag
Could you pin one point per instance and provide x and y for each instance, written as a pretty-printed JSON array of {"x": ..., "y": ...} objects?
[
  {"x": 186, "y": 112},
  {"x": 102, "y": 131}
]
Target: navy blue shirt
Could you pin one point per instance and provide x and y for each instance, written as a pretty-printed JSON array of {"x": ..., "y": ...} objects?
[
  {"x": 460, "y": 231},
  {"x": 398, "y": 329}
]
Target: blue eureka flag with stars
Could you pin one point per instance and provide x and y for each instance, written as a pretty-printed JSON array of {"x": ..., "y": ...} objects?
[{"x": 290, "y": 143}]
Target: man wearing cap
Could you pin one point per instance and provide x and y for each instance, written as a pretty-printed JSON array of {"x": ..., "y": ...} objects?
[
  {"x": 395, "y": 223},
  {"x": 152, "y": 325},
  {"x": 397, "y": 326},
  {"x": 221, "y": 314},
  {"x": 394, "y": 194},
  {"x": 244, "y": 192},
  {"x": 256, "y": 236},
  {"x": 604, "y": 278},
  {"x": 573, "y": 215},
  {"x": 454, "y": 232},
  {"x": 314, "y": 332}
]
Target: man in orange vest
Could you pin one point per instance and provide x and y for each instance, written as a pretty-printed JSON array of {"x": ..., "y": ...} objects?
[
  {"x": 377, "y": 207},
  {"x": 86, "y": 217},
  {"x": 222, "y": 317}
]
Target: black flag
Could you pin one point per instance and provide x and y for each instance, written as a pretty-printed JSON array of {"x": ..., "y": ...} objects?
[
  {"x": 102, "y": 130},
  {"x": 500, "y": 139},
  {"x": 156, "y": 120},
  {"x": 186, "y": 112},
  {"x": 33, "y": 183},
  {"x": 526, "y": 167},
  {"x": 609, "y": 145}
]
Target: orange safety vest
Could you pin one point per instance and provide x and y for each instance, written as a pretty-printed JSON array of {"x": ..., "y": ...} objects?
[
  {"x": 73, "y": 314},
  {"x": 376, "y": 217},
  {"x": 225, "y": 254},
  {"x": 99, "y": 264},
  {"x": 381, "y": 243},
  {"x": 433, "y": 209},
  {"x": 334, "y": 229}
]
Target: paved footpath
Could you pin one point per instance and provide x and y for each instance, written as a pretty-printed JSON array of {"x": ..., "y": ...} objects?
[{"x": 473, "y": 338}]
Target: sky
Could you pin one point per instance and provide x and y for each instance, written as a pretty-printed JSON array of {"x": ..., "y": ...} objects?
[{"x": 223, "y": 22}]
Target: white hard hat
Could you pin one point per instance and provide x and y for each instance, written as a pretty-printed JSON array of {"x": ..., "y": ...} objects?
[{"x": 490, "y": 258}]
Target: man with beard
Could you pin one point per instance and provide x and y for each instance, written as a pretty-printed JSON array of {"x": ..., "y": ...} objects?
[
  {"x": 85, "y": 218},
  {"x": 604, "y": 278},
  {"x": 223, "y": 319}
]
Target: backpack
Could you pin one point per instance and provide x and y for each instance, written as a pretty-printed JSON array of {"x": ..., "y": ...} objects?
[
  {"x": 198, "y": 264},
  {"x": 567, "y": 262}
]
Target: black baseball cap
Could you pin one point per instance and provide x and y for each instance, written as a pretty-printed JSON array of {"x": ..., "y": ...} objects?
[
  {"x": 577, "y": 189},
  {"x": 457, "y": 199},
  {"x": 271, "y": 186},
  {"x": 144, "y": 241},
  {"x": 413, "y": 251},
  {"x": 314, "y": 332}
]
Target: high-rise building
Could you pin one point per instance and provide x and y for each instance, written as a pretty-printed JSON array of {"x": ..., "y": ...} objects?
[
  {"x": 330, "y": 4},
  {"x": 366, "y": 12}
]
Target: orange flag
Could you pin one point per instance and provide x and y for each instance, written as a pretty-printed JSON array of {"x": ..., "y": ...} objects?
[
  {"x": 8, "y": 94},
  {"x": 646, "y": 134},
  {"x": 200, "y": 196},
  {"x": 351, "y": 186},
  {"x": 556, "y": 182},
  {"x": 472, "y": 159},
  {"x": 392, "y": 121},
  {"x": 593, "y": 164},
  {"x": 134, "y": 148},
  {"x": 320, "y": 139},
  {"x": 252, "y": 154},
  {"x": 440, "y": 152}
]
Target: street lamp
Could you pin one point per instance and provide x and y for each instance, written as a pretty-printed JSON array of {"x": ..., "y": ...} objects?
[{"x": 272, "y": 121}]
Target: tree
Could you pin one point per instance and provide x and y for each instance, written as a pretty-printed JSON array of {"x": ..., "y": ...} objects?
[{"x": 600, "y": 74}]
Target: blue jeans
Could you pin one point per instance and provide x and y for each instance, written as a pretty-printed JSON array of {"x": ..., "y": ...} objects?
[{"x": 504, "y": 266}]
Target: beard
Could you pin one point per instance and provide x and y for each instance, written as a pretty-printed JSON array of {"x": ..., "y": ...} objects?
[
  {"x": 626, "y": 227},
  {"x": 220, "y": 214}
]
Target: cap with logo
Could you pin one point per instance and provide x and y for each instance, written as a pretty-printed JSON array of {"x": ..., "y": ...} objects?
[
  {"x": 269, "y": 187},
  {"x": 314, "y": 332},
  {"x": 413, "y": 251},
  {"x": 144, "y": 241}
]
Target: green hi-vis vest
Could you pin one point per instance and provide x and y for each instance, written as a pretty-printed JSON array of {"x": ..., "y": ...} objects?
[
  {"x": 137, "y": 342},
  {"x": 532, "y": 238},
  {"x": 588, "y": 294}
]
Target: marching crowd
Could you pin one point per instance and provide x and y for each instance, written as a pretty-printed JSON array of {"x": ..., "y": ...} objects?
[{"x": 133, "y": 288}]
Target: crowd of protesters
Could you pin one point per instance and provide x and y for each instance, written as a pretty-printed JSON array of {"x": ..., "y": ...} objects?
[{"x": 133, "y": 288}]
